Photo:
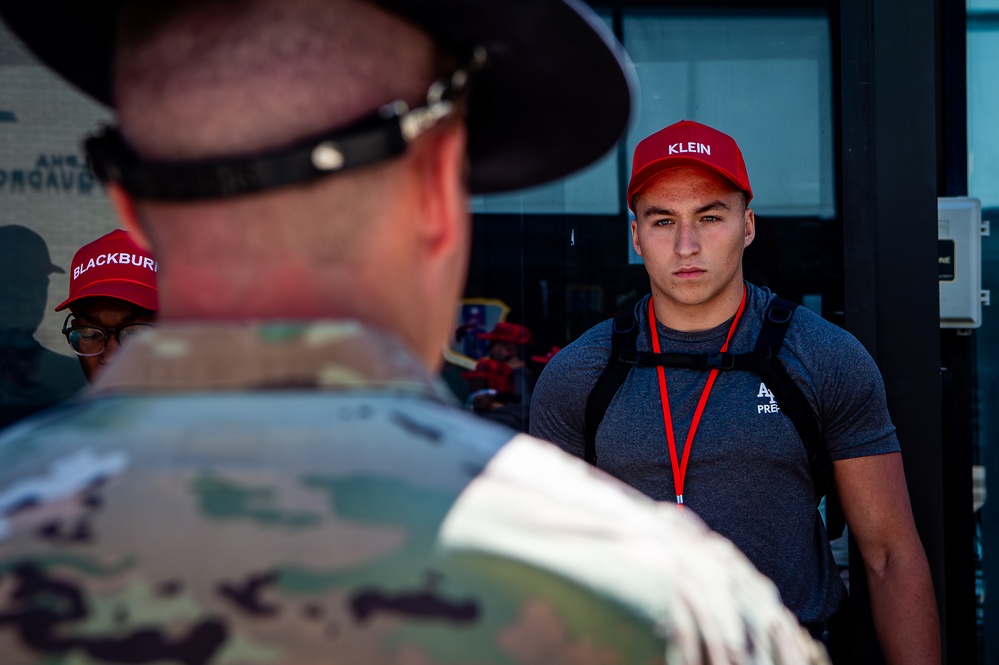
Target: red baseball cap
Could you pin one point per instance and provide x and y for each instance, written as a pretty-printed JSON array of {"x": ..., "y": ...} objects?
[
  {"x": 688, "y": 143},
  {"x": 513, "y": 333},
  {"x": 115, "y": 267}
]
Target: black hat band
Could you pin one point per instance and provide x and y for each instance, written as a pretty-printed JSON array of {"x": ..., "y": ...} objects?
[{"x": 375, "y": 138}]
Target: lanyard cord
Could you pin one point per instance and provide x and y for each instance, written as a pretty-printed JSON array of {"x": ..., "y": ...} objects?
[{"x": 680, "y": 468}]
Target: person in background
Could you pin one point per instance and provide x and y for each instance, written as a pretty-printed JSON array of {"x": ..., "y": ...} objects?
[
  {"x": 112, "y": 299},
  {"x": 491, "y": 393},
  {"x": 274, "y": 474},
  {"x": 500, "y": 387},
  {"x": 507, "y": 344},
  {"x": 722, "y": 443}
]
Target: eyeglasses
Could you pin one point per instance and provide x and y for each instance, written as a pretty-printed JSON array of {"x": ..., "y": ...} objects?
[{"x": 89, "y": 341}]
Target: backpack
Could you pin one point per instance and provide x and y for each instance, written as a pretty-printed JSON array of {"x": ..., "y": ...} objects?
[{"x": 762, "y": 361}]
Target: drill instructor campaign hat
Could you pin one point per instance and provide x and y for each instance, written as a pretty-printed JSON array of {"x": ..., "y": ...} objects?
[
  {"x": 115, "y": 267},
  {"x": 552, "y": 94},
  {"x": 688, "y": 143}
]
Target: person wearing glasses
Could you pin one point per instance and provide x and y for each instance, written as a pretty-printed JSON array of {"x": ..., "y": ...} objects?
[{"x": 112, "y": 299}]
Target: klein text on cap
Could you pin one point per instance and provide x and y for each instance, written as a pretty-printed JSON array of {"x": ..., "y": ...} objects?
[{"x": 688, "y": 143}]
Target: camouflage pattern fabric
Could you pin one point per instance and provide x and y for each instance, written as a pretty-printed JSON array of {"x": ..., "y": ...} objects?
[{"x": 305, "y": 494}]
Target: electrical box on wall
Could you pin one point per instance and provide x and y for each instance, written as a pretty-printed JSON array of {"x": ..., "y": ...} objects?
[{"x": 959, "y": 239}]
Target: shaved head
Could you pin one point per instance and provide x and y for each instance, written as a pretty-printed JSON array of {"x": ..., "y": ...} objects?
[
  {"x": 228, "y": 77},
  {"x": 202, "y": 79}
]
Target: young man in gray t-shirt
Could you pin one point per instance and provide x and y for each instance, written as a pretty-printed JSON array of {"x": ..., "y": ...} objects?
[{"x": 717, "y": 442}]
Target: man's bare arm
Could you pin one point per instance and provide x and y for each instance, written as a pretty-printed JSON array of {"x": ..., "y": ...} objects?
[{"x": 876, "y": 506}]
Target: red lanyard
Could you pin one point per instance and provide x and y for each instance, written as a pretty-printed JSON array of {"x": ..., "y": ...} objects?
[{"x": 680, "y": 469}]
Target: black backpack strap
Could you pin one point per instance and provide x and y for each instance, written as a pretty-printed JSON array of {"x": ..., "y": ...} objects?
[
  {"x": 624, "y": 340},
  {"x": 763, "y": 361},
  {"x": 701, "y": 361},
  {"x": 792, "y": 401},
  {"x": 796, "y": 407},
  {"x": 776, "y": 321}
]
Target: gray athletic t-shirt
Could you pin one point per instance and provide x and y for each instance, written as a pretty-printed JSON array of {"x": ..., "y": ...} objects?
[{"x": 748, "y": 474}]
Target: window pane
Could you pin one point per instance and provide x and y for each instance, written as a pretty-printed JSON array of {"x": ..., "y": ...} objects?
[
  {"x": 766, "y": 80},
  {"x": 592, "y": 191},
  {"x": 983, "y": 99}
]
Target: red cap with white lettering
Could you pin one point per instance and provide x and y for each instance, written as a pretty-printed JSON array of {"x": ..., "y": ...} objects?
[
  {"x": 115, "y": 267},
  {"x": 688, "y": 143}
]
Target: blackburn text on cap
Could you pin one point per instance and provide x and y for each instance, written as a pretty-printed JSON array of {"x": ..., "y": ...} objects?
[{"x": 114, "y": 267}]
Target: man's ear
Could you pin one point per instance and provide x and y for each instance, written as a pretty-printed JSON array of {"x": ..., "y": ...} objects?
[
  {"x": 634, "y": 237},
  {"x": 124, "y": 205},
  {"x": 750, "y": 227},
  {"x": 443, "y": 189}
]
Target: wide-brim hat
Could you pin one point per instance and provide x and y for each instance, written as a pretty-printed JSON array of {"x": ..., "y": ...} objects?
[{"x": 555, "y": 96}]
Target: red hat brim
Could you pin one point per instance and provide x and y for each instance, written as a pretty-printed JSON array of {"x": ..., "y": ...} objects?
[
  {"x": 654, "y": 168},
  {"x": 129, "y": 291}
]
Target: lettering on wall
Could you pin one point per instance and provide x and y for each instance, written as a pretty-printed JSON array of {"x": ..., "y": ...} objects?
[{"x": 50, "y": 174}]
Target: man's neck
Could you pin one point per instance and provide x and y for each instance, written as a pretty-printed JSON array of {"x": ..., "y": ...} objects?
[{"x": 700, "y": 316}]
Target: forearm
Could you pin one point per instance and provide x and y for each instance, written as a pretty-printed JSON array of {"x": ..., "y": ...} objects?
[{"x": 904, "y": 609}]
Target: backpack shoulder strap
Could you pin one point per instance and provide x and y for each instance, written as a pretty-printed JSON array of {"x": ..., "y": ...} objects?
[
  {"x": 624, "y": 340},
  {"x": 776, "y": 321},
  {"x": 795, "y": 406},
  {"x": 792, "y": 401},
  {"x": 763, "y": 361}
]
